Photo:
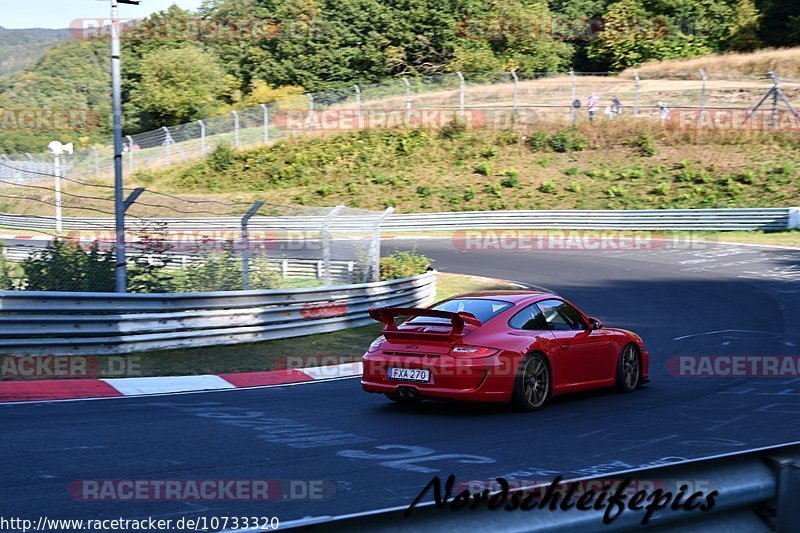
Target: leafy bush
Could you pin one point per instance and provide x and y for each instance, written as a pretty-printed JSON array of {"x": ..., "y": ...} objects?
[
  {"x": 662, "y": 189},
  {"x": 568, "y": 141},
  {"x": 511, "y": 178},
  {"x": 65, "y": 266},
  {"x": 6, "y": 281},
  {"x": 423, "y": 191},
  {"x": 404, "y": 264},
  {"x": 547, "y": 187},
  {"x": 222, "y": 158},
  {"x": 508, "y": 137},
  {"x": 485, "y": 168},
  {"x": 575, "y": 187},
  {"x": 616, "y": 191},
  {"x": 454, "y": 129},
  {"x": 571, "y": 171},
  {"x": 646, "y": 145},
  {"x": 537, "y": 141}
]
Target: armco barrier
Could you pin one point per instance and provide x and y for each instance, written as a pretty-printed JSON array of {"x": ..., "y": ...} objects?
[
  {"x": 70, "y": 323},
  {"x": 744, "y": 219},
  {"x": 758, "y": 490}
]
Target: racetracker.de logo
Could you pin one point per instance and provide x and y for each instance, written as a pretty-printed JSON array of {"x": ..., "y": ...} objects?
[
  {"x": 347, "y": 119},
  {"x": 200, "y": 489},
  {"x": 734, "y": 366},
  {"x": 48, "y": 120},
  {"x": 24, "y": 367},
  {"x": 573, "y": 240},
  {"x": 188, "y": 28},
  {"x": 561, "y": 28},
  {"x": 735, "y": 119}
]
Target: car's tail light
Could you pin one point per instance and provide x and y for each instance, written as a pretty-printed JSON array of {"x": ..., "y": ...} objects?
[
  {"x": 465, "y": 350},
  {"x": 376, "y": 344}
]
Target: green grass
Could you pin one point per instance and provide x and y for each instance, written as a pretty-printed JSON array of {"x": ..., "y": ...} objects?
[
  {"x": 325, "y": 348},
  {"x": 623, "y": 166}
]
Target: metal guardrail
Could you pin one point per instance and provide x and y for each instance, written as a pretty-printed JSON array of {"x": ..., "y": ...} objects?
[
  {"x": 69, "y": 323},
  {"x": 743, "y": 219},
  {"x": 759, "y": 490}
]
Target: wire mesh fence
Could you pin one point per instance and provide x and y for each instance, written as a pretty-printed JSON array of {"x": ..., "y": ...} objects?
[{"x": 191, "y": 242}]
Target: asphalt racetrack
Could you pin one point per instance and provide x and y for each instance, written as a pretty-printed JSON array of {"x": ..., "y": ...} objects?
[{"x": 358, "y": 452}]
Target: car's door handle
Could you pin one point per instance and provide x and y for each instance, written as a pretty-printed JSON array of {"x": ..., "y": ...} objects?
[{"x": 565, "y": 346}]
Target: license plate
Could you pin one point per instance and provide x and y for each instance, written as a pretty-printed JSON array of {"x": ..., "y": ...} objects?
[{"x": 409, "y": 374}]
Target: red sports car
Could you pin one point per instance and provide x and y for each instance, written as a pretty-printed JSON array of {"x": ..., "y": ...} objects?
[{"x": 522, "y": 347}]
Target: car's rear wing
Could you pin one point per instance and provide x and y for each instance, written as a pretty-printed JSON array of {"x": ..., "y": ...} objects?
[{"x": 387, "y": 316}]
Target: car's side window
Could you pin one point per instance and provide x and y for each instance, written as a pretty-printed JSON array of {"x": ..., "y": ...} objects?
[
  {"x": 561, "y": 316},
  {"x": 530, "y": 318}
]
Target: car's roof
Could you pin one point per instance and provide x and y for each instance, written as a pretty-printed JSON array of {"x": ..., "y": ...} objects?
[{"x": 514, "y": 296}]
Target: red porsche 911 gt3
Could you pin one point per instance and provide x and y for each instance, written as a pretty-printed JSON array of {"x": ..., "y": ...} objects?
[{"x": 522, "y": 347}]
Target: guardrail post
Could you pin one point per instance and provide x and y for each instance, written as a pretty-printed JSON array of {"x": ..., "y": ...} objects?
[
  {"x": 131, "y": 160},
  {"x": 460, "y": 94},
  {"x": 235, "y": 128},
  {"x": 326, "y": 243},
  {"x": 794, "y": 218},
  {"x": 408, "y": 99},
  {"x": 266, "y": 123},
  {"x": 515, "y": 105},
  {"x": 702, "y": 96},
  {"x": 574, "y": 93},
  {"x": 372, "y": 272},
  {"x": 284, "y": 268},
  {"x": 635, "y": 94},
  {"x": 202, "y": 137},
  {"x": 246, "y": 245}
]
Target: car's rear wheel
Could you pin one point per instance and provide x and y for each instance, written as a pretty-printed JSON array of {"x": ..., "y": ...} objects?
[
  {"x": 533, "y": 383},
  {"x": 629, "y": 369}
]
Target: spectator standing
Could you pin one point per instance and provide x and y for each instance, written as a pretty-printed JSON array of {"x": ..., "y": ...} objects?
[
  {"x": 664, "y": 109},
  {"x": 593, "y": 104}
]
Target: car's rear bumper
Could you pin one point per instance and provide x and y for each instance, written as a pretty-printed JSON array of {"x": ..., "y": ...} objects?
[{"x": 486, "y": 379}]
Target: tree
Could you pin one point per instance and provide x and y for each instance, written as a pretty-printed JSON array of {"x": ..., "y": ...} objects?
[{"x": 181, "y": 85}]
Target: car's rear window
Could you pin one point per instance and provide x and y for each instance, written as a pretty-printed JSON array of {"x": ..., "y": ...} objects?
[{"x": 483, "y": 309}]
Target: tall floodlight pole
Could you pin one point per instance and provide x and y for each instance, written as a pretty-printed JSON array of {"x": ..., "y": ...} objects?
[{"x": 116, "y": 95}]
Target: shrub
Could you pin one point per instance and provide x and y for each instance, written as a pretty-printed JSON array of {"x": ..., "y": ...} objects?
[
  {"x": 616, "y": 191},
  {"x": 65, "y": 266},
  {"x": 662, "y": 189},
  {"x": 404, "y": 264},
  {"x": 507, "y": 137},
  {"x": 568, "y": 141},
  {"x": 222, "y": 158},
  {"x": 537, "y": 141},
  {"x": 453, "y": 129},
  {"x": 571, "y": 171},
  {"x": 511, "y": 178},
  {"x": 575, "y": 187},
  {"x": 646, "y": 145},
  {"x": 423, "y": 191},
  {"x": 484, "y": 168},
  {"x": 547, "y": 187}
]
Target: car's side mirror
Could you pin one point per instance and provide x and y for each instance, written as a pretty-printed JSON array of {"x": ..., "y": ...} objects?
[{"x": 594, "y": 323}]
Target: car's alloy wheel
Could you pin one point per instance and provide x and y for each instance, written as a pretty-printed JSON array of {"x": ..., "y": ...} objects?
[
  {"x": 628, "y": 369},
  {"x": 533, "y": 383}
]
